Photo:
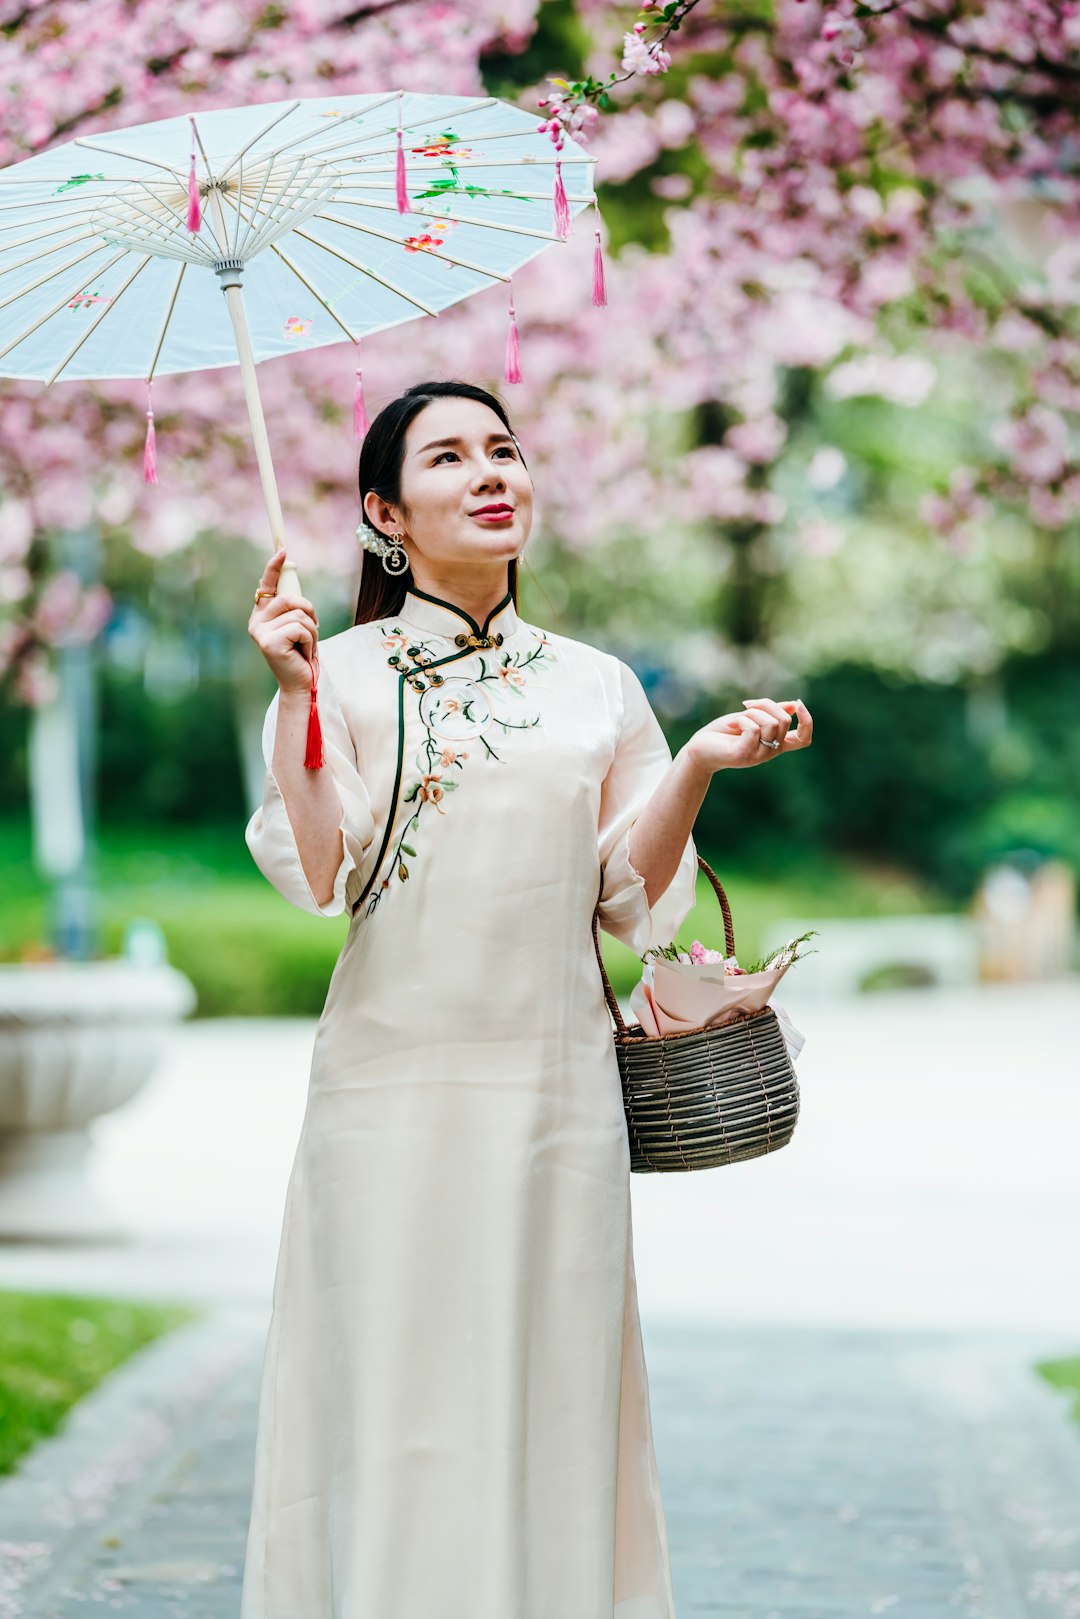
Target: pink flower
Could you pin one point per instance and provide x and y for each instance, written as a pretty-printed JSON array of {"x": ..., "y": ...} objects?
[{"x": 640, "y": 57}]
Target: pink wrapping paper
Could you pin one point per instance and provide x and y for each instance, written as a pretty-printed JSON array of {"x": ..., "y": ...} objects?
[{"x": 673, "y": 996}]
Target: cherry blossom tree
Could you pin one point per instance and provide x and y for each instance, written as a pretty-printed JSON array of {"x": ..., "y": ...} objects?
[
  {"x": 800, "y": 203},
  {"x": 864, "y": 194}
]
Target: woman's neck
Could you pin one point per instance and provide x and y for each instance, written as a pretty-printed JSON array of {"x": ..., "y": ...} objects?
[{"x": 477, "y": 592}]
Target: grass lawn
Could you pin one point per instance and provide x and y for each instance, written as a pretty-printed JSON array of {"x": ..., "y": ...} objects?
[
  {"x": 249, "y": 952},
  {"x": 56, "y": 1347},
  {"x": 1063, "y": 1374}
]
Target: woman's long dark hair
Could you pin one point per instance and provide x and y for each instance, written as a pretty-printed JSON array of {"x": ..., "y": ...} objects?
[{"x": 381, "y": 456}]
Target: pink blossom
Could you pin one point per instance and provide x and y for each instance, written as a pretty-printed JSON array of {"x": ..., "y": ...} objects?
[
  {"x": 757, "y": 441},
  {"x": 1037, "y": 443},
  {"x": 639, "y": 56}
]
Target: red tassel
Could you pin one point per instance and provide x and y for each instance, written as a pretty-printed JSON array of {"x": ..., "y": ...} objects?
[
  {"x": 194, "y": 212},
  {"x": 513, "y": 367},
  {"x": 562, "y": 207},
  {"x": 404, "y": 206},
  {"x": 359, "y": 415},
  {"x": 313, "y": 756},
  {"x": 599, "y": 290},
  {"x": 149, "y": 461}
]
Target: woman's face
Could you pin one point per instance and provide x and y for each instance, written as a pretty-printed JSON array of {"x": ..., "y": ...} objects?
[{"x": 444, "y": 484}]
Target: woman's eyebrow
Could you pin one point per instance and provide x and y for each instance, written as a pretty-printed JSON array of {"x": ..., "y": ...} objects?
[{"x": 503, "y": 438}]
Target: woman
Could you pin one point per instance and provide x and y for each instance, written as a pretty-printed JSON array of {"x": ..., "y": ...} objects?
[{"x": 454, "y": 1415}]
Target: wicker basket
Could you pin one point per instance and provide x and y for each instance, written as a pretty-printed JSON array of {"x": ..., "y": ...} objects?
[{"x": 707, "y": 1096}]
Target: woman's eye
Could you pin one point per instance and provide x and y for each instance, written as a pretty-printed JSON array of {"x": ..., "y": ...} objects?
[{"x": 507, "y": 447}]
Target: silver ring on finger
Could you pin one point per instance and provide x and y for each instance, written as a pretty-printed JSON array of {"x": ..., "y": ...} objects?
[{"x": 765, "y": 743}]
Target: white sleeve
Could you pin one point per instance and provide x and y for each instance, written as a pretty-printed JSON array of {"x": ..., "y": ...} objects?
[
  {"x": 642, "y": 757},
  {"x": 269, "y": 834}
]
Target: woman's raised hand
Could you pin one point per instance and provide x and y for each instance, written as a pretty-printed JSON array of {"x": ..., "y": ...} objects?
[
  {"x": 735, "y": 741},
  {"x": 286, "y": 631}
]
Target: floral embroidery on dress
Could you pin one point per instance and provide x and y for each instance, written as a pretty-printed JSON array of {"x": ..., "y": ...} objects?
[{"x": 453, "y": 708}]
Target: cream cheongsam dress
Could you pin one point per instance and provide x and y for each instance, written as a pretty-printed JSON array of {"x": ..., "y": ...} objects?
[{"x": 454, "y": 1412}]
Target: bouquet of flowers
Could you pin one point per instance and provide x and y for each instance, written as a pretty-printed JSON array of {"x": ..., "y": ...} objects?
[{"x": 700, "y": 988}]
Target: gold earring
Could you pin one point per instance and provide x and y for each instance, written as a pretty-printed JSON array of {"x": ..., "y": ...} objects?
[{"x": 395, "y": 557}]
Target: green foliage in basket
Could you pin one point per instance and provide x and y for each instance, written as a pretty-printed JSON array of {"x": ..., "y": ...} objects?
[{"x": 674, "y": 952}]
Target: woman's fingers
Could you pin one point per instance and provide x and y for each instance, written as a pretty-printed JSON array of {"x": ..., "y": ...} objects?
[
  {"x": 284, "y": 604},
  {"x": 272, "y": 572},
  {"x": 286, "y": 627},
  {"x": 782, "y": 712},
  {"x": 284, "y": 637}
]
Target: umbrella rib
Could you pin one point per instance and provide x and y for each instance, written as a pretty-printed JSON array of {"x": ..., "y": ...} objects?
[
  {"x": 385, "y": 185},
  {"x": 68, "y": 298},
  {"x": 300, "y": 276},
  {"x": 98, "y": 318},
  {"x": 254, "y": 210},
  {"x": 448, "y": 152},
  {"x": 47, "y": 179},
  {"x": 132, "y": 157},
  {"x": 50, "y": 275},
  {"x": 57, "y": 247},
  {"x": 165, "y": 322},
  {"x": 441, "y": 213},
  {"x": 435, "y": 117},
  {"x": 265, "y": 130},
  {"x": 279, "y": 202},
  {"x": 159, "y": 225},
  {"x": 388, "y": 236},
  {"x": 221, "y": 247},
  {"x": 276, "y": 208},
  {"x": 355, "y": 264},
  {"x": 422, "y": 166},
  {"x": 277, "y": 150},
  {"x": 70, "y": 215},
  {"x": 239, "y": 217}
]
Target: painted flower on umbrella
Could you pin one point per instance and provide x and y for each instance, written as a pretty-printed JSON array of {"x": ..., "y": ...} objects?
[
  {"x": 442, "y": 145},
  {"x": 428, "y": 241},
  {"x": 296, "y": 326}
]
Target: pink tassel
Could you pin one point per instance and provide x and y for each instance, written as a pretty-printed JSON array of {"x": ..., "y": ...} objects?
[
  {"x": 404, "y": 206},
  {"x": 599, "y": 290},
  {"x": 359, "y": 415},
  {"x": 513, "y": 367},
  {"x": 562, "y": 209},
  {"x": 194, "y": 212},
  {"x": 149, "y": 464}
]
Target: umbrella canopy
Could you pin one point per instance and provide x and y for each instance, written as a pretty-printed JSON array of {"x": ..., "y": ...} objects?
[
  {"x": 321, "y": 220},
  {"x": 100, "y": 275}
]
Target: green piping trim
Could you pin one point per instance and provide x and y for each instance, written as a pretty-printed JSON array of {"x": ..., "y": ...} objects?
[
  {"x": 422, "y": 595},
  {"x": 452, "y": 657}
]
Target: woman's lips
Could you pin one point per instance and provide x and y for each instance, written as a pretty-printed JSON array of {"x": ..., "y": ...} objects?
[{"x": 503, "y": 515}]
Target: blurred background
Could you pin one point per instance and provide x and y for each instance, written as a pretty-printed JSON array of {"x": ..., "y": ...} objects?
[{"x": 820, "y": 443}]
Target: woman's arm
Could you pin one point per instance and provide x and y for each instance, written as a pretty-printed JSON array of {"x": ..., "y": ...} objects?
[{"x": 658, "y": 835}]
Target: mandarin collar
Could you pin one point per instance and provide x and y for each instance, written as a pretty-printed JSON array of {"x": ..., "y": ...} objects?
[{"x": 440, "y": 617}]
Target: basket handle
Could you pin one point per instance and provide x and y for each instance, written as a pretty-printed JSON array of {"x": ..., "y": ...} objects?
[{"x": 729, "y": 939}]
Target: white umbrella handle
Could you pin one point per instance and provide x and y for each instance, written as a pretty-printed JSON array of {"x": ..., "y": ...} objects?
[{"x": 230, "y": 278}]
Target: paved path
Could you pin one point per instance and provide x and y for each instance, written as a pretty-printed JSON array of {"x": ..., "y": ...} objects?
[
  {"x": 846, "y": 1420},
  {"x": 807, "y": 1474}
]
